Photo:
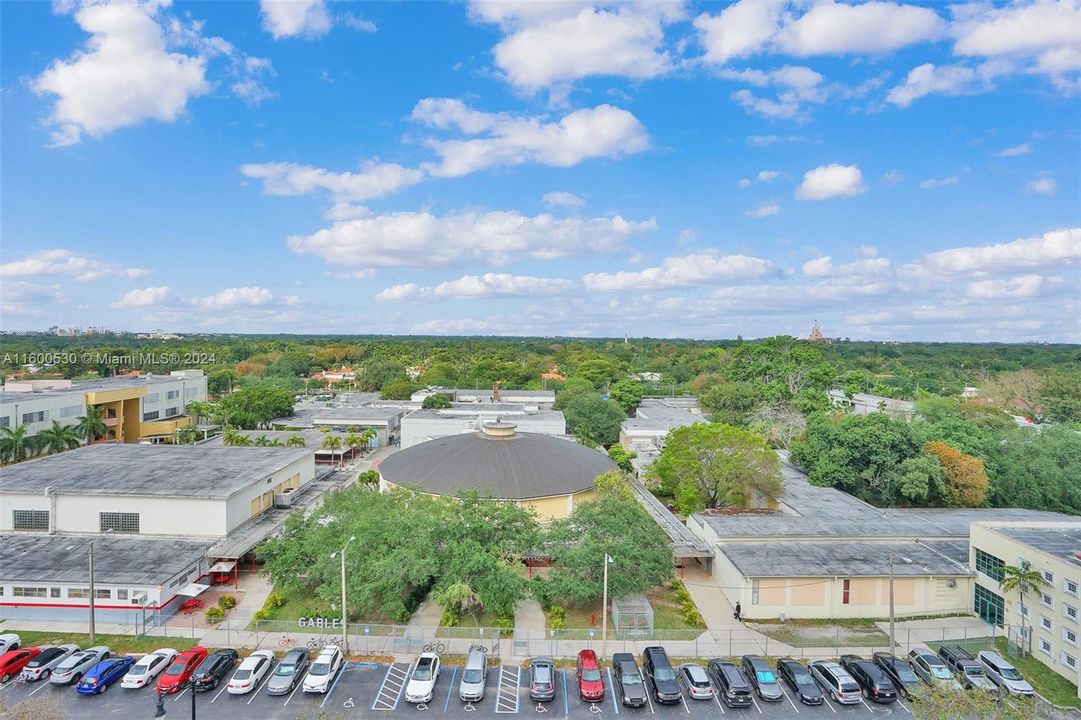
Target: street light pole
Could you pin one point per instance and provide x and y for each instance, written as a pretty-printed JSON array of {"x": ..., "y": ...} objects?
[
  {"x": 892, "y": 643},
  {"x": 604, "y": 607},
  {"x": 92, "y": 629},
  {"x": 345, "y": 616}
]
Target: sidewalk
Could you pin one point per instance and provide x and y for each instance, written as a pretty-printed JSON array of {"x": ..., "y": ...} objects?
[{"x": 719, "y": 617}]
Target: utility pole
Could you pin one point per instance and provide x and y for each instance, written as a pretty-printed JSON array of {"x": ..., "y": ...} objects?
[
  {"x": 892, "y": 643},
  {"x": 92, "y": 633},
  {"x": 345, "y": 616},
  {"x": 604, "y": 607}
]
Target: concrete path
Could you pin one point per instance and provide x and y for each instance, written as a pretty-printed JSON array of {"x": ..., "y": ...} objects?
[
  {"x": 424, "y": 619},
  {"x": 255, "y": 589},
  {"x": 718, "y": 614}
]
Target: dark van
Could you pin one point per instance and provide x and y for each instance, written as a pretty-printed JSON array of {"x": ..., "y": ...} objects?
[
  {"x": 732, "y": 686},
  {"x": 661, "y": 676}
]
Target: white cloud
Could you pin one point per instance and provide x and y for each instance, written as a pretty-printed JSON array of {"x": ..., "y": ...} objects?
[
  {"x": 563, "y": 42},
  {"x": 704, "y": 268},
  {"x": 763, "y": 210},
  {"x": 1022, "y": 286},
  {"x": 929, "y": 79},
  {"x": 1042, "y": 185},
  {"x": 360, "y": 24},
  {"x": 767, "y": 140},
  {"x": 830, "y": 181},
  {"x": 602, "y": 131},
  {"x": 931, "y": 183},
  {"x": 1015, "y": 151},
  {"x": 563, "y": 199},
  {"x": 375, "y": 180},
  {"x": 234, "y": 297},
  {"x": 892, "y": 177},
  {"x": 796, "y": 85},
  {"x": 868, "y": 251},
  {"x": 67, "y": 262},
  {"x": 488, "y": 285},
  {"x": 763, "y": 176},
  {"x": 1054, "y": 247},
  {"x": 740, "y": 30},
  {"x": 744, "y": 183},
  {"x": 823, "y": 267},
  {"x": 420, "y": 239},
  {"x": 23, "y": 299},
  {"x": 292, "y": 18},
  {"x": 145, "y": 297},
  {"x": 124, "y": 76}
]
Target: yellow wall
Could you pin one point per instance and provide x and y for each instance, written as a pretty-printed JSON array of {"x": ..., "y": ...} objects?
[
  {"x": 163, "y": 427},
  {"x": 548, "y": 508}
]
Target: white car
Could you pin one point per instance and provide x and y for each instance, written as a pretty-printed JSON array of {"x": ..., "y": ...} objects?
[
  {"x": 421, "y": 685},
  {"x": 148, "y": 668},
  {"x": 8, "y": 641},
  {"x": 43, "y": 663},
  {"x": 250, "y": 673},
  {"x": 322, "y": 671}
]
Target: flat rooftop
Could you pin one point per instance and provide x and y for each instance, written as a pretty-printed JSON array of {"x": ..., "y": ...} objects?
[
  {"x": 191, "y": 471},
  {"x": 309, "y": 414},
  {"x": 313, "y": 439},
  {"x": 100, "y": 384},
  {"x": 516, "y": 413},
  {"x": 1061, "y": 542},
  {"x": 846, "y": 559},
  {"x": 118, "y": 559}
]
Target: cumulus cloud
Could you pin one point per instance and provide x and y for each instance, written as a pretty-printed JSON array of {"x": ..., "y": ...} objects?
[
  {"x": 796, "y": 85},
  {"x": 1054, "y": 247},
  {"x": 1021, "y": 286},
  {"x": 824, "y": 267},
  {"x": 488, "y": 285},
  {"x": 292, "y": 18},
  {"x": 421, "y": 239},
  {"x": 1042, "y": 185},
  {"x": 563, "y": 199},
  {"x": 763, "y": 210},
  {"x": 234, "y": 297},
  {"x": 931, "y": 183},
  {"x": 929, "y": 79},
  {"x": 145, "y": 297},
  {"x": 705, "y": 268},
  {"x": 763, "y": 176},
  {"x": 25, "y": 299},
  {"x": 1015, "y": 151},
  {"x": 375, "y": 180},
  {"x": 69, "y": 263},
  {"x": 892, "y": 177},
  {"x": 831, "y": 181}
]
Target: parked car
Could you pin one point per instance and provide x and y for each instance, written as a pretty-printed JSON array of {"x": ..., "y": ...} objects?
[
  {"x": 421, "y": 685},
  {"x": 250, "y": 673},
  {"x": 321, "y": 672},
  {"x": 180, "y": 669},
  {"x": 968, "y": 669},
  {"x": 98, "y": 678},
  {"x": 588, "y": 672},
  {"x": 72, "y": 670},
  {"x": 148, "y": 667},
  {"x": 799, "y": 679},
  {"x": 874, "y": 682},
  {"x": 628, "y": 680},
  {"x": 696, "y": 680},
  {"x": 8, "y": 641},
  {"x": 758, "y": 671},
  {"x": 932, "y": 670},
  {"x": 474, "y": 676},
  {"x": 542, "y": 679},
  {"x": 836, "y": 682},
  {"x": 13, "y": 661},
  {"x": 42, "y": 665},
  {"x": 660, "y": 676},
  {"x": 1004, "y": 674},
  {"x": 732, "y": 686},
  {"x": 899, "y": 671},
  {"x": 288, "y": 673},
  {"x": 213, "y": 669}
]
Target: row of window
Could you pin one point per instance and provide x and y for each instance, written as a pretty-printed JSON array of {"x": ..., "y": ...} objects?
[
  {"x": 35, "y": 417},
  {"x": 989, "y": 565},
  {"x": 1068, "y": 634},
  {"x": 1068, "y": 586},
  {"x": 117, "y": 522},
  {"x": 30, "y": 591},
  {"x": 71, "y": 411}
]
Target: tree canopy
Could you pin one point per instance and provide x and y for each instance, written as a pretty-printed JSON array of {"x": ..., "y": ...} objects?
[{"x": 594, "y": 419}]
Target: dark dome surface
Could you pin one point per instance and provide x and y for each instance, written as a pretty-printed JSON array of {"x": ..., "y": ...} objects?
[{"x": 516, "y": 467}]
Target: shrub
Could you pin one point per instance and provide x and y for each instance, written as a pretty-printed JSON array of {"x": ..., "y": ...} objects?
[
  {"x": 557, "y": 612},
  {"x": 215, "y": 615},
  {"x": 227, "y": 602},
  {"x": 274, "y": 600},
  {"x": 260, "y": 615},
  {"x": 505, "y": 623},
  {"x": 449, "y": 618}
]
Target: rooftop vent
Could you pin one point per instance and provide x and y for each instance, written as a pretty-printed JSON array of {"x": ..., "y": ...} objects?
[{"x": 498, "y": 429}]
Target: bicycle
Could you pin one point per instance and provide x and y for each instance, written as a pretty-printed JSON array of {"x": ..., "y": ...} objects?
[
  {"x": 320, "y": 643},
  {"x": 437, "y": 647},
  {"x": 479, "y": 648},
  {"x": 286, "y": 641}
]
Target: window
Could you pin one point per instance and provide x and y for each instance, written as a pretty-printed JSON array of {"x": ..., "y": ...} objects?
[
  {"x": 1049, "y": 577},
  {"x": 103, "y": 594},
  {"x": 1045, "y": 622},
  {"x": 78, "y": 592},
  {"x": 151, "y": 398},
  {"x": 191, "y": 392},
  {"x": 54, "y": 592},
  {"x": 172, "y": 395},
  {"x": 1070, "y": 586},
  {"x": 1069, "y": 636},
  {"x": 845, "y": 588},
  {"x": 755, "y": 586},
  {"x": 120, "y": 522},
  {"x": 35, "y": 417},
  {"x": 122, "y": 594},
  {"x": 1069, "y": 660},
  {"x": 1046, "y": 600},
  {"x": 29, "y": 519},
  {"x": 1045, "y": 646},
  {"x": 35, "y": 592},
  {"x": 1069, "y": 611},
  {"x": 989, "y": 606},
  {"x": 1024, "y": 564},
  {"x": 1022, "y": 610},
  {"x": 148, "y": 416},
  {"x": 989, "y": 565},
  {"x": 71, "y": 411},
  {"x": 5, "y": 421},
  {"x": 172, "y": 412}
]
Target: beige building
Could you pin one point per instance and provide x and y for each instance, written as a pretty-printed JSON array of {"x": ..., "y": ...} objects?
[{"x": 1052, "y": 620}]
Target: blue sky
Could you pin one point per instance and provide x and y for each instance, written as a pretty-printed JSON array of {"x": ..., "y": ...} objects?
[{"x": 667, "y": 169}]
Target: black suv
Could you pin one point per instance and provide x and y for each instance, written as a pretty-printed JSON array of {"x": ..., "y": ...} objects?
[
  {"x": 213, "y": 668},
  {"x": 799, "y": 679},
  {"x": 969, "y": 668},
  {"x": 628, "y": 679},
  {"x": 900, "y": 672},
  {"x": 872, "y": 679},
  {"x": 661, "y": 676},
  {"x": 758, "y": 671},
  {"x": 732, "y": 686}
]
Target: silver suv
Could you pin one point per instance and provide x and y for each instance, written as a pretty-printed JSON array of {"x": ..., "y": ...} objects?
[
  {"x": 1003, "y": 674},
  {"x": 931, "y": 669},
  {"x": 474, "y": 676}
]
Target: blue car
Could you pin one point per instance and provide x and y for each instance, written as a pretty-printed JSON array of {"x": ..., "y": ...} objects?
[{"x": 98, "y": 678}]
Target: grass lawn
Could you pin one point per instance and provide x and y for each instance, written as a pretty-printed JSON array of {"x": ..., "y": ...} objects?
[
  {"x": 484, "y": 620},
  {"x": 823, "y": 633},
  {"x": 667, "y": 615},
  {"x": 301, "y": 603},
  {"x": 1047, "y": 682},
  {"x": 118, "y": 644}
]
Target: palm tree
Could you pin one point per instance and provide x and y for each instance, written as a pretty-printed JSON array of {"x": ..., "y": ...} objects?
[
  {"x": 198, "y": 410},
  {"x": 261, "y": 441},
  {"x": 1024, "y": 580},
  {"x": 295, "y": 441},
  {"x": 16, "y": 445},
  {"x": 186, "y": 435},
  {"x": 352, "y": 441},
  {"x": 57, "y": 438},
  {"x": 366, "y": 437},
  {"x": 92, "y": 425},
  {"x": 232, "y": 436},
  {"x": 332, "y": 443}
]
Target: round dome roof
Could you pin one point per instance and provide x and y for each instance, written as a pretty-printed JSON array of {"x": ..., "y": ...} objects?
[{"x": 514, "y": 466}]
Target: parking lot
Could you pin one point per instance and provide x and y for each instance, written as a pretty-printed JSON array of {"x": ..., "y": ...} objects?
[{"x": 372, "y": 690}]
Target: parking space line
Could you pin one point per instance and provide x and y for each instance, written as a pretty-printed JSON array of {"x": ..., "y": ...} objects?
[
  {"x": 219, "y": 693},
  {"x": 341, "y": 674},
  {"x": 756, "y": 707},
  {"x": 42, "y": 684},
  {"x": 392, "y": 688},
  {"x": 790, "y": 701},
  {"x": 566, "y": 701},
  {"x": 401, "y": 690},
  {"x": 718, "y": 701},
  {"x": 180, "y": 694},
  {"x": 269, "y": 673},
  {"x": 612, "y": 690},
  {"x": 450, "y": 690},
  {"x": 825, "y": 699},
  {"x": 510, "y": 680},
  {"x": 649, "y": 698},
  {"x": 864, "y": 702},
  {"x": 905, "y": 707},
  {"x": 293, "y": 693}
]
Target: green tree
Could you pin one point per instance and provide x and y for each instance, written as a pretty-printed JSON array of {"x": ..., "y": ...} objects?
[
  {"x": 780, "y": 424},
  {"x": 613, "y": 482},
  {"x": 437, "y": 401},
  {"x": 198, "y": 410},
  {"x": 945, "y": 703},
  {"x": 16, "y": 445},
  {"x": 708, "y": 465},
  {"x": 1060, "y": 396},
  {"x": 91, "y": 425},
  {"x": 398, "y": 389},
  {"x": 732, "y": 403},
  {"x": 369, "y": 478},
  {"x": 572, "y": 388},
  {"x": 622, "y": 458},
  {"x": 1021, "y": 580},
  {"x": 57, "y": 438},
  {"x": 295, "y": 441},
  {"x": 627, "y": 393},
  {"x": 781, "y": 367},
  {"x": 254, "y": 405},
  {"x": 1037, "y": 469},
  {"x": 595, "y": 419},
  {"x": 577, "y": 545},
  {"x": 187, "y": 435},
  {"x": 921, "y": 479}
]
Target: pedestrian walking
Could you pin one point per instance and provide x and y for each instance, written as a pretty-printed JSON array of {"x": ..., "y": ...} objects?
[{"x": 738, "y": 614}]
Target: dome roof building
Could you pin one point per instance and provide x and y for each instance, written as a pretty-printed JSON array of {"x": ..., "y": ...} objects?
[{"x": 546, "y": 473}]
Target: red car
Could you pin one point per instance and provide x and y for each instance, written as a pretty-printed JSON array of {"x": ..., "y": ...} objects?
[
  {"x": 13, "y": 661},
  {"x": 590, "y": 684},
  {"x": 176, "y": 675}
]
